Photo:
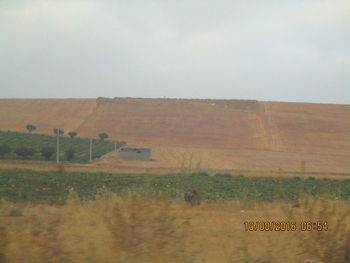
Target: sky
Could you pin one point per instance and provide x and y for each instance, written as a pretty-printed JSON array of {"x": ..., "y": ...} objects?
[{"x": 271, "y": 50}]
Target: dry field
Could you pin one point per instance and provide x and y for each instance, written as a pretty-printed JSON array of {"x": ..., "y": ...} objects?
[
  {"x": 226, "y": 160},
  {"x": 139, "y": 229},
  {"x": 199, "y": 134},
  {"x": 46, "y": 114},
  {"x": 111, "y": 163}
]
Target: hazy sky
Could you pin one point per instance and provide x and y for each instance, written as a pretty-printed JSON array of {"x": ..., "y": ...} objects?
[{"x": 281, "y": 50}]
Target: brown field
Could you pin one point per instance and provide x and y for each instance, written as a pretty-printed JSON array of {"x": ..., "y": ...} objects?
[
  {"x": 200, "y": 134},
  {"x": 115, "y": 229}
]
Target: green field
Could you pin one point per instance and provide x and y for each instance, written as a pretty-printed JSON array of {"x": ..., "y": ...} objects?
[
  {"x": 54, "y": 187},
  {"x": 80, "y": 146}
]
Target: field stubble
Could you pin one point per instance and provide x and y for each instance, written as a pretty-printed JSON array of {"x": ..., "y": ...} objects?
[{"x": 142, "y": 228}]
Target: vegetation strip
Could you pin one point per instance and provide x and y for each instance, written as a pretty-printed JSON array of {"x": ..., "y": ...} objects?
[
  {"x": 17, "y": 145},
  {"x": 54, "y": 186}
]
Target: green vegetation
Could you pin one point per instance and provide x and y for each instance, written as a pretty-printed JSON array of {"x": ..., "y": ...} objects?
[
  {"x": 103, "y": 136},
  {"x": 70, "y": 154},
  {"x": 53, "y": 187},
  {"x": 4, "y": 149},
  {"x": 47, "y": 152},
  {"x": 31, "y": 127},
  {"x": 37, "y": 142},
  {"x": 24, "y": 152},
  {"x": 72, "y": 134},
  {"x": 56, "y": 131}
]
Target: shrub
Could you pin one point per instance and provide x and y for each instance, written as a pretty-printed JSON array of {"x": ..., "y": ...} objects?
[
  {"x": 202, "y": 174},
  {"x": 4, "y": 149},
  {"x": 56, "y": 131},
  {"x": 70, "y": 154},
  {"x": 96, "y": 156},
  {"x": 103, "y": 136},
  {"x": 72, "y": 134},
  {"x": 24, "y": 151},
  {"x": 3, "y": 243},
  {"x": 47, "y": 152},
  {"x": 30, "y": 127},
  {"x": 223, "y": 175}
]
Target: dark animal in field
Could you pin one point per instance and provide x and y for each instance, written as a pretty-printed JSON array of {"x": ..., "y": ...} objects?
[{"x": 192, "y": 197}]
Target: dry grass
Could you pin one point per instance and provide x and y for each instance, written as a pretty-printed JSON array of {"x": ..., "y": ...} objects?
[
  {"x": 192, "y": 159},
  {"x": 144, "y": 229},
  {"x": 184, "y": 166}
]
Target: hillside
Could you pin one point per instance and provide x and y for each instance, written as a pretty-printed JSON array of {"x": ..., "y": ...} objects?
[
  {"x": 46, "y": 114},
  {"x": 210, "y": 125}
]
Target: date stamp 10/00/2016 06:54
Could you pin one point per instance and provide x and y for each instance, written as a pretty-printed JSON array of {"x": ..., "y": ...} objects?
[{"x": 286, "y": 226}]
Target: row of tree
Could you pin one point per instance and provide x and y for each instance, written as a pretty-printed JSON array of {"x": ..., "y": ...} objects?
[
  {"x": 72, "y": 134},
  {"x": 25, "y": 152}
]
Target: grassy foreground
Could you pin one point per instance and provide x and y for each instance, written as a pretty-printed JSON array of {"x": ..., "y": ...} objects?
[
  {"x": 147, "y": 229},
  {"x": 97, "y": 217}
]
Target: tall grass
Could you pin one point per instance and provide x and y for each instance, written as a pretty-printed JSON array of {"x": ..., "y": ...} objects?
[
  {"x": 334, "y": 245},
  {"x": 111, "y": 229},
  {"x": 153, "y": 228},
  {"x": 3, "y": 243}
]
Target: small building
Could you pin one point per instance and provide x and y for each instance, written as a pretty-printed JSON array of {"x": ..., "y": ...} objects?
[{"x": 142, "y": 154}]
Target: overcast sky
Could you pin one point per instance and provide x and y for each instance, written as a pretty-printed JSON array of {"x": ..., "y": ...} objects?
[{"x": 281, "y": 50}]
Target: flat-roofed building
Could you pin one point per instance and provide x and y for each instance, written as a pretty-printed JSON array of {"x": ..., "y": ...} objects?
[{"x": 143, "y": 154}]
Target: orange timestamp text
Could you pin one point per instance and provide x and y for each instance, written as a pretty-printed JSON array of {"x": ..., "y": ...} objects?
[{"x": 286, "y": 226}]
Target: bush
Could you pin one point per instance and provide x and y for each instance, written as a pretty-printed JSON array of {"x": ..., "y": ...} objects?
[
  {"x": 72, "y": 134},
  {"x": 4, "y": 149},
  {"x": 3, "y": 243},
  {"x": 47, "y": 152},
  {"x": 30, "y": 127},
  {"x": 202, "y": 174},
  {"x": 96, "y": 156},
  {"x": 24, "y": 151},
  {"x": 69, "y": 154},
  {"x": 223, "y": 175},
  {"x": 103, "y": 136},
  {"x": 56, "y": 131}
]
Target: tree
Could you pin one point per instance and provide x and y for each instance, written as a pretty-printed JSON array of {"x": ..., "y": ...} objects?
[
  {"x": 4, "y": 149},
  {"x": 70, "y": 154},
  {"x": 30, "y": 127},
  {"x": 47, "y": 152},
  {"x": 72, "y": 134},
  {"x": 24, "y": 151},
  {"x": 103, "y": 136},
  {"x": 55, "y": 131}
]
